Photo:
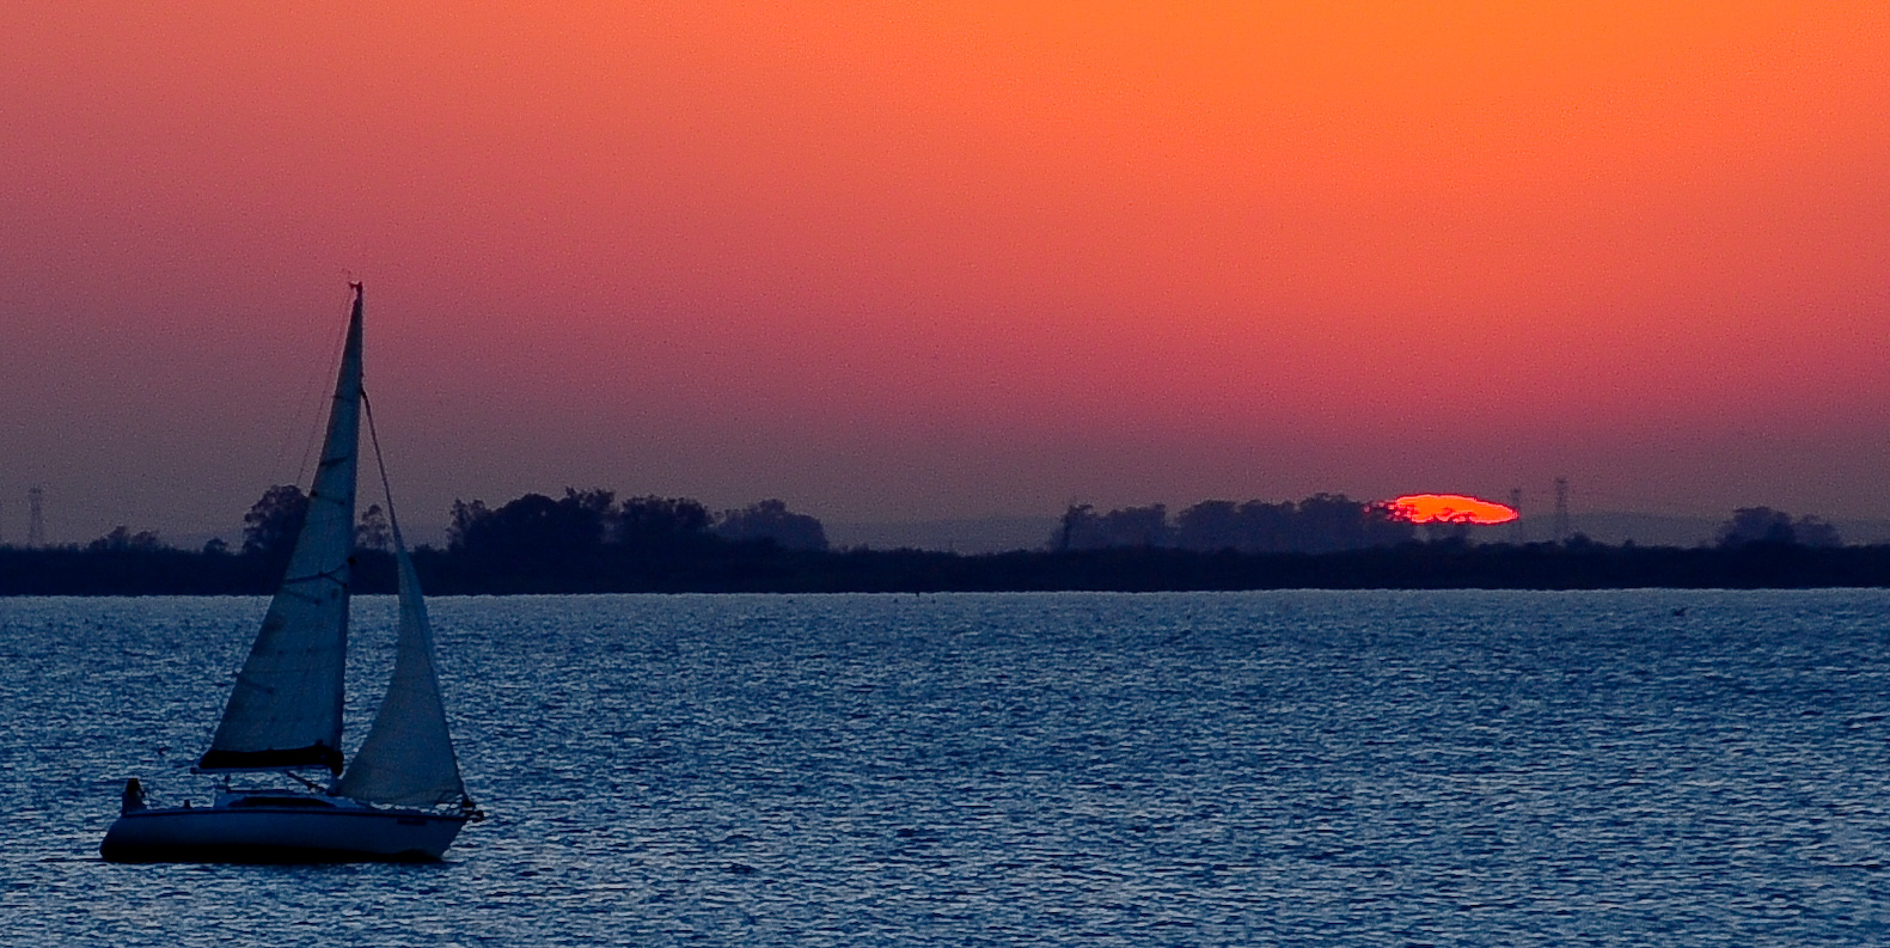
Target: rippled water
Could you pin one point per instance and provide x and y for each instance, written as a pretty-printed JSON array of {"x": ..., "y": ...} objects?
[{"x": 1300, "y": 768}]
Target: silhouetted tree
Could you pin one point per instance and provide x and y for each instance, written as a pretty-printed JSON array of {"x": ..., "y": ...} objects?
[
  {"x": 1451, "y": 528},
  {"x": 1750, "y": 525},
  {"x": 1082, "y": 529},
  {"x": 1271, "y": 527},
  {"x": 1814, "y": 531},
  {"x": 1210, "y": 525},
  {"x": 533, "y": 527},
  {"x": 649, "y": 523},
  {"x": 466, "y": 517},
  {"x": 1075, "y": 521},
  {"x": 1756, "y": 525},
  {"x": 595, "y": 502},
  {"x": 770, "y": 521},
  {"x": 373, "y": 532},
  {"x": 1330, "y": 522},
  {"x": 1251, "y": 527},
  {"x": 1384, "y": 526},
  {"x": 1137, "y": 526},
  {"x": 122, "y": 540},
  {"x": 273, "y": 523}
]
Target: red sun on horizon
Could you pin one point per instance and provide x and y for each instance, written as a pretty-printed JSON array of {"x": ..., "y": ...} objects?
[{"x": 1449, "y": 508}]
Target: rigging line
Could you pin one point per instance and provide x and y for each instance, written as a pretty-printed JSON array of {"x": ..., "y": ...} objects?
[
  {"x": 387, "y": 490},
  {"x": 309, "y": 402}
]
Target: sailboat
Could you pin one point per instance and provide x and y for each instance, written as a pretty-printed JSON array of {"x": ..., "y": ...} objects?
[{"x": 401, "y": 798}]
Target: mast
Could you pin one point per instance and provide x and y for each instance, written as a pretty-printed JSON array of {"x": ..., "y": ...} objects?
[{"x": 285, "y": 711}]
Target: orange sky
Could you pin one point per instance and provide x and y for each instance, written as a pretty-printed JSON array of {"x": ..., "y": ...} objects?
[{"x": 907, "y": 260}]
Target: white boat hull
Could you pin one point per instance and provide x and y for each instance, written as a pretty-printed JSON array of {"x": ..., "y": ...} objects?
[{"x": 256, "y": 831}]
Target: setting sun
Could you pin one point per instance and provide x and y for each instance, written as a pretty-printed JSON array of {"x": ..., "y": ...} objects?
[{"x": 1449, "y": 508}]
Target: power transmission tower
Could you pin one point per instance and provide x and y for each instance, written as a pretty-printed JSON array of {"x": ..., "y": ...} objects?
[
  {"x": 1561, "y": 510},
  {"x": 35, "y": 517}
]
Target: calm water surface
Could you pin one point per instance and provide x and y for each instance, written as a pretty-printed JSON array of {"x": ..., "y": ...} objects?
[{"x": 1462, "y": 768}]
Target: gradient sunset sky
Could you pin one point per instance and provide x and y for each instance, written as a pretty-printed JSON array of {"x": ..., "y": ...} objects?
[{"x": 892, "y": 261}]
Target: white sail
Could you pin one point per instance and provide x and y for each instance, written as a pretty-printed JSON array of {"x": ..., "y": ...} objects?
[
  {"x": 407, "y": 758},
  {"x": 285, "y": 710}
]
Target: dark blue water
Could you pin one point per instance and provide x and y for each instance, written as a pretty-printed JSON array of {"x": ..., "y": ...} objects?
[{"x": 1283, "y": 768}]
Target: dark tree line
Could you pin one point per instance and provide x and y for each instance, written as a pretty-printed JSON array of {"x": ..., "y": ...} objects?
[
  {"x": 585, "y": 522},
  {"x": 1322, "y": 523},
  {"x": 1331, "y": 523},
  {"x": 590, "y": 541}
]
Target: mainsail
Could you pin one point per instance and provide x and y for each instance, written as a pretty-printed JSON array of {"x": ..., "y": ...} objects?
[
  {"x": 407, "y": 758},
  {"x": 286, "y": 708}
]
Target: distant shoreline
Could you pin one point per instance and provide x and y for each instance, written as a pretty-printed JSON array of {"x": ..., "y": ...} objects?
[{"x": 766, "y": 568}]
